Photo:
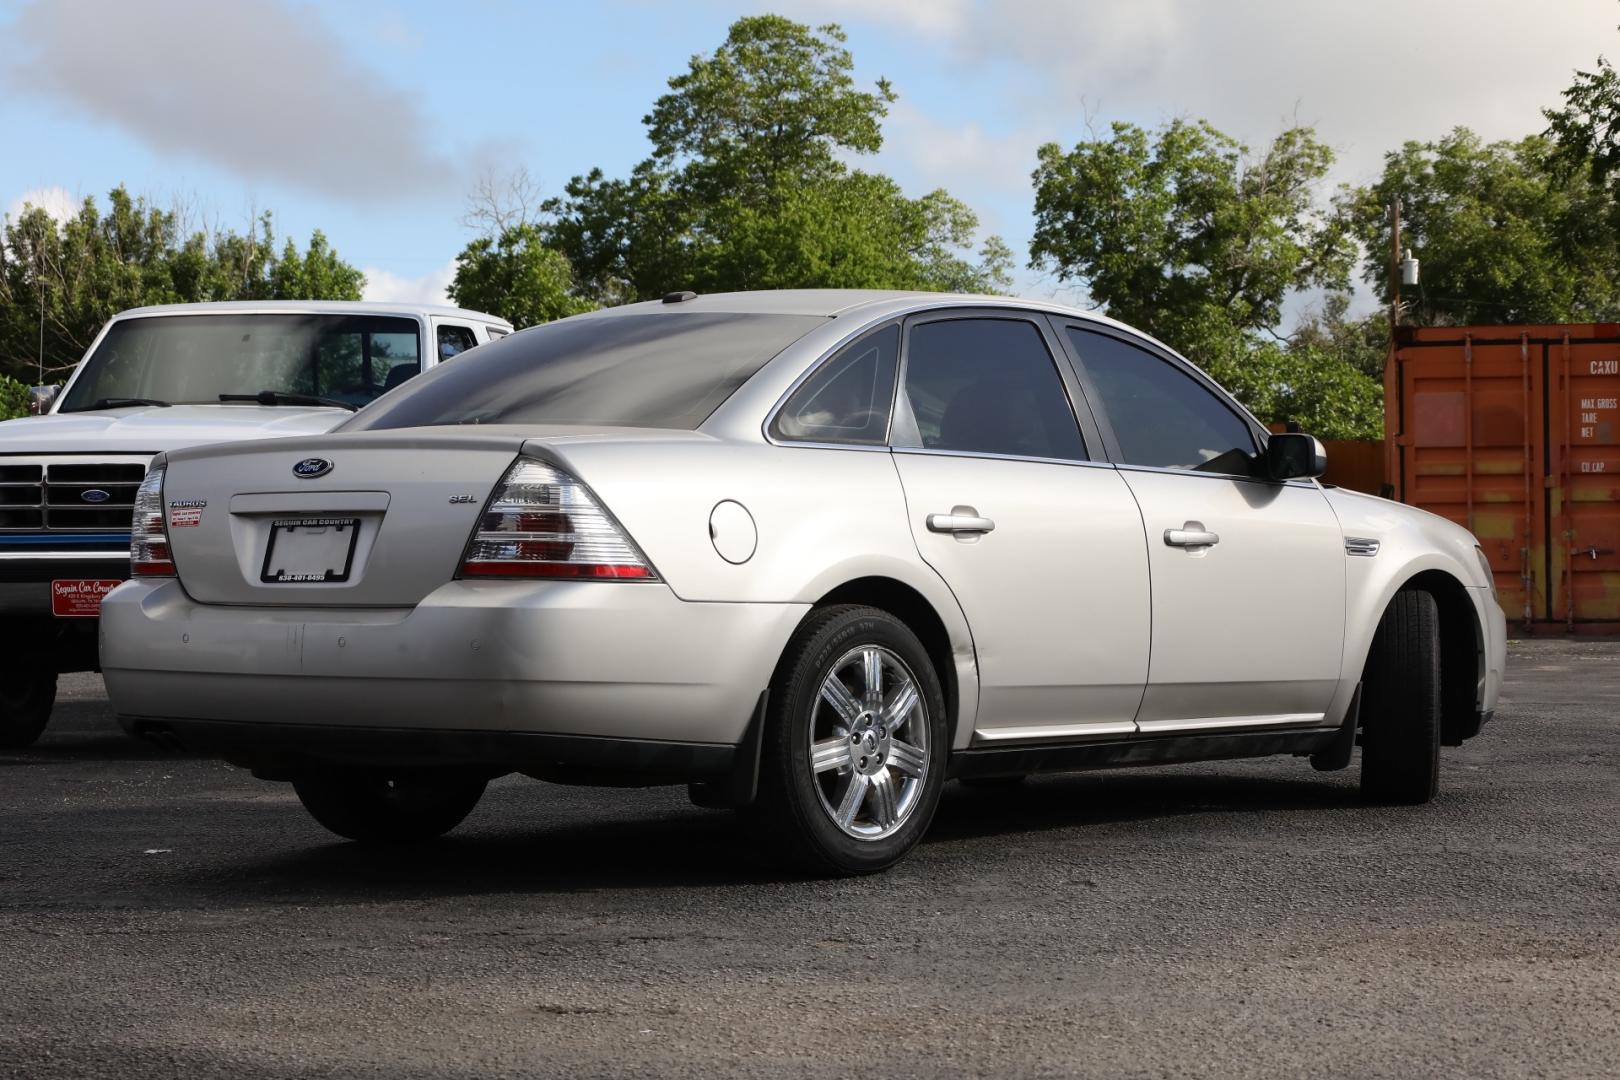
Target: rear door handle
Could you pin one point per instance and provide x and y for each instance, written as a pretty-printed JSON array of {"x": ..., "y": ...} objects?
[
  {"x": 1193, "y": 534},
  {"x": 957, "y": 522}
]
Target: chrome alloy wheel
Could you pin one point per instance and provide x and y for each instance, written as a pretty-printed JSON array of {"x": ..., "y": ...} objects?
[{"x": 869, "y": 749}]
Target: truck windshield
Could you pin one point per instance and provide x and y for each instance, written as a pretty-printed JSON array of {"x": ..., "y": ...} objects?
[
  {"x": 196, "y": 359},
  {"x": 666, "y": 370}
]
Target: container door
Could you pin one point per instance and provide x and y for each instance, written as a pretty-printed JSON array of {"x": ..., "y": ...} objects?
[
  {"x": 1584, "y": 430},
  {"x": 1471, "y": 450}
]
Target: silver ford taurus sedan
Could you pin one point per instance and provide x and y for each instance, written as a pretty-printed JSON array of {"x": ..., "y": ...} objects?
[{"x": 810, "y": 553}]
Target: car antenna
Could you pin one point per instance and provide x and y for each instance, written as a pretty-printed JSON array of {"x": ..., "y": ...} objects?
[{"x": 679, "y": 297}]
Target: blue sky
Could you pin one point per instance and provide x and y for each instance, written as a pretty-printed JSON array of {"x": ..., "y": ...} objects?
[{"x": 371, "y": 119}]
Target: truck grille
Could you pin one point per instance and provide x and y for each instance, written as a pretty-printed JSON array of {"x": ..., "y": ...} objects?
[{"x": 68, "y": 496}]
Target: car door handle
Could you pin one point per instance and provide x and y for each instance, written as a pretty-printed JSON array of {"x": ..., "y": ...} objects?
[
  {"x": 1192, "y": 534},
  {"x": 956, "y": 522}
]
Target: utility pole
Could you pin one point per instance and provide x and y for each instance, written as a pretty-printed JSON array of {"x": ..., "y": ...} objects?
[
  {"x": 1391, "y": 415},
  {"x": 39, "y": 280},
  {"x": 1394, "y": 268}
]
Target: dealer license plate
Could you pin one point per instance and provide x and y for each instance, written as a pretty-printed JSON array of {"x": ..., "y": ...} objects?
[{"x": 310, "y": 549}]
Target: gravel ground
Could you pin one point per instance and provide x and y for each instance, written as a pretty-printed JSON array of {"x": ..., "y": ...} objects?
[{"x": 169, "y": 916}]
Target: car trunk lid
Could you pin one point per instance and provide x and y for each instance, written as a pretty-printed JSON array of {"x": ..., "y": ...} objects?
[{"x": 368, "y": 519}]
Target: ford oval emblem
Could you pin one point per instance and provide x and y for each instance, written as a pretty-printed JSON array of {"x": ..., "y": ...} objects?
[
  {"x": 95, "y": 495},
  {"x": 311, "y": 467}
]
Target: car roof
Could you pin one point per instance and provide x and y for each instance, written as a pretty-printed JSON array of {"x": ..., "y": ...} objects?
[
  {"x": 832, "y": 303},
  {"x": 313, "y": 307}
]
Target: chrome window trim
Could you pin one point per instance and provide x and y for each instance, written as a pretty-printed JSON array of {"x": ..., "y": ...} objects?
[
  {"x": 1296, "y": 482},
  {"x": 1000, "y": 457},
  {"x": 832, "y": 351},
  {"x": 1258, "y": 432},
  {"x": 1055, "y": 354},
  {"x": 795, "y": 444}
]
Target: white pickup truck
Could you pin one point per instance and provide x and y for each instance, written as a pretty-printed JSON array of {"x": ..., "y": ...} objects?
[{"x": 163, "y": 378}]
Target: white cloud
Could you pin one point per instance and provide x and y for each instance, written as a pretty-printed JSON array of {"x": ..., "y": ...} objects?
[
  {"x": 933, "y": 17},
  {"x": 961, "y": 158},
  {"x": 430, "y": 288},
  {"x": 253, "y": 86},
  {"x": 1368, "y": 76},
  {"x": 55, "y": 200}
]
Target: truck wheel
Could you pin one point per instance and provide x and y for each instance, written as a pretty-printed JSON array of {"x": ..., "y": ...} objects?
[
  {"x": 1400, "y": 704},
  {"x": 854, "y": 749},
  {"x": 26, "y": 698},
  {"x": 374, "y": 807}
]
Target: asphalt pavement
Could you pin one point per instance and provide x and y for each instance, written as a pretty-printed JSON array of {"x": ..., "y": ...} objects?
[{"x": 168, "y": 916}]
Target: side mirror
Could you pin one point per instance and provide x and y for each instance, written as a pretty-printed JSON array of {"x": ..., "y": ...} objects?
[
  {"x": 41, "y": 398},
  {"x": 1290, "y": 456}
]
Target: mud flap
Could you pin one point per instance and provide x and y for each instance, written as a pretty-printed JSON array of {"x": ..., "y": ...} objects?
[
  {"x": 1336, "y": 754},
  {"x": 738, "y": 789}
]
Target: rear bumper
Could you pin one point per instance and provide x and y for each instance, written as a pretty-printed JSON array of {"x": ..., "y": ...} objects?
[
  {"x": 285, "y": 751},
  {"x": 473, "y": 661}
]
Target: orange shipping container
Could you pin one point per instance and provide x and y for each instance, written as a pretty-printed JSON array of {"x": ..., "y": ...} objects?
[{"x": 1514, "y": 431}]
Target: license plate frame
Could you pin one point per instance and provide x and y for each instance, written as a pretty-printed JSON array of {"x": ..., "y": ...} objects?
[{"x": 326, "y": 550}]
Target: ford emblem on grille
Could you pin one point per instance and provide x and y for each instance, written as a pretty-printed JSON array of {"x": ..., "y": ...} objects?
[
  {"x": 311, "y": 467},
  {"x": 95, "y": 495}
]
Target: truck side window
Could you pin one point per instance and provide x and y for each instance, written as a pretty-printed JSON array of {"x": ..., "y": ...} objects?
[{"x": 455, "y": 340}]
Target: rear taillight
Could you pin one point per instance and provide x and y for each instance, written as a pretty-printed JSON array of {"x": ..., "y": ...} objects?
[
  {"x": 543, "y": 523},
  {"x": 149, "y": 554}
]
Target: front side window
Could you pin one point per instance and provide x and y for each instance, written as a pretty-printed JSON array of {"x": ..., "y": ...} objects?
[
  {"x": 1161, "y": 415},
  {"x": 665, "y": 370},
  {"x": 197, "y": 359},
  {"x": 988, "y": 386},
  {"x": 848, "y": 398}
]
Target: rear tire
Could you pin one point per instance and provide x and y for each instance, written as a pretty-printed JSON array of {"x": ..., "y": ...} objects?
[
  {"x": 1400, "y": 704},
  {"x": 850, "y": 776},
  {"x": 26, "y": 700},
  {"x": 379, "y": 808}
]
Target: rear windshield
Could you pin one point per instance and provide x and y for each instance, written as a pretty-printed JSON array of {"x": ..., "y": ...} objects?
[
  {"x": 669, "y": 370},
  {"x": 194, "y": 359}
]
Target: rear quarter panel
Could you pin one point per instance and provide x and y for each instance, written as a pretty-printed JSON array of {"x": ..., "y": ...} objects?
[{"x": 824, "y": 517}]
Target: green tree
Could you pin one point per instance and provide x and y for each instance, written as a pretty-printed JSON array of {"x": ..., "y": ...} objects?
[
  {"x": 1185, "y": 234},
  {"x": 775, "y": 102},
  {"x": 1586, "y": 130},
  {"x": 1362, "y": 342},
  {"x": 1504, "y": 233},
  {"x": 316, "y": 274},
  {"x": 78, "y": 273},
  {"x": 516, "y": 276},
  {"x": 1178, "y": 228},
  {"x": 748, "y": 186}
]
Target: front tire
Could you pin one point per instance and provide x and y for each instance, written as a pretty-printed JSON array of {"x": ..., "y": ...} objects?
[
  {"x": 26, "y": 700},
  {"x": 1400, "y": 704},
  {"x": 379, "y": 808},
  {"x": 855, "y": 743}
]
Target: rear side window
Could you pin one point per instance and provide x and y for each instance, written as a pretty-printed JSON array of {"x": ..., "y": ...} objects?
[
  {"x": 1161, "y": 415},
  {"x": 989, "y": 386},
  {"x": 848, "y": 398},
  {"x": 667, "y": 370}
]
